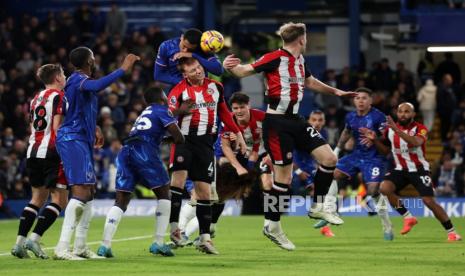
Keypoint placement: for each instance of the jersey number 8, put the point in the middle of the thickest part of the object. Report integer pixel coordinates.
(40, 123)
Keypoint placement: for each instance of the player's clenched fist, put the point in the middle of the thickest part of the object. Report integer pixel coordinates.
(129, 61)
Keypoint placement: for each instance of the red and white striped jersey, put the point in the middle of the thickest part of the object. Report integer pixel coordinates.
(252, 132)
(45, 105)
(406, 156)
(284, 80)
(206, 98)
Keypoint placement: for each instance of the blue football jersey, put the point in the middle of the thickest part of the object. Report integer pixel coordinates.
(81, 106)
(374, 120)
(165, 55)
(152, 122)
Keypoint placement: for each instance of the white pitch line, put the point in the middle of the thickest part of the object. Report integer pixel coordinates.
(95, 242)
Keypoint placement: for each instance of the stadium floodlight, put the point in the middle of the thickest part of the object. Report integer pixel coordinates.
(446, 49)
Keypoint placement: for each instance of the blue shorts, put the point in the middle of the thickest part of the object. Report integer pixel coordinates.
(189, 185)
(139, 162)
(372, 169)
(78, 162)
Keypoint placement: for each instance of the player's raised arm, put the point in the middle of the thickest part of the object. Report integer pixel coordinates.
(234, 66)
(319, 86)
(102, 83)
(211, 64)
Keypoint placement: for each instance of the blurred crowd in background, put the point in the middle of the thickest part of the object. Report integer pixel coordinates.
(436, 89)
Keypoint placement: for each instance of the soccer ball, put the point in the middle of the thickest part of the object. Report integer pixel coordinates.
(211, 41)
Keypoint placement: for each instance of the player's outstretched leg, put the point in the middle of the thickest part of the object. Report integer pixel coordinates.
(163, 215)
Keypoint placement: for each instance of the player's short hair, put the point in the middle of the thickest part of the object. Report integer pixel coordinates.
(364, 90)
(79, 56)
(153, 95)
(47, 73)
(185, 61)
(193, 35)
(289, 32)
(318, 112)
(239, 98)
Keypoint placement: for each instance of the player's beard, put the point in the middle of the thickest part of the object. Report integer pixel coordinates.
(406, 122)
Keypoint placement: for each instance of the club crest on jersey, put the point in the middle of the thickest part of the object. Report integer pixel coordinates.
(173, 100)
(89, 176)
(180, 159)
(210, 91)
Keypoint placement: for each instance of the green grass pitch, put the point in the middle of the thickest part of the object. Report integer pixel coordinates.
(357, 249)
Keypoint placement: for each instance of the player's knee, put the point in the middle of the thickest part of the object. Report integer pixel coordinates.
(122, 200)
(372, 189)
(61, 199)
(330, 160)
(386, 188)
(163, 192)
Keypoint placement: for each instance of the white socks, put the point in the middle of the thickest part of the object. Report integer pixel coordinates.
(186, 215)
(383, 212)
(20, 240)
(192, 226)
(163, 217)
(73, 214)
(330, 203)
(83, 227)
(111, 224)
(275, 226)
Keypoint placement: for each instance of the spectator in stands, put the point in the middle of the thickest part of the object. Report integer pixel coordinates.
(446, 103)
(446, 177)
(116, 22)
(26, 64)
(427, 99)
(448, 66)
(426, 68)
(325, 100)
(382, 77)
(405, 76)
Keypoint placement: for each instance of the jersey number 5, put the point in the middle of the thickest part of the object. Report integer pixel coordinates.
(143, 123)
